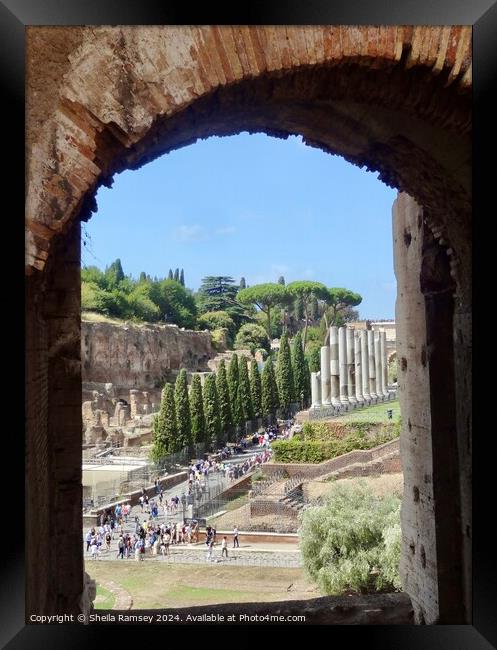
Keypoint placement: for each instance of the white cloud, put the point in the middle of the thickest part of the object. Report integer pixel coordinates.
(226, 230)
(189, 233)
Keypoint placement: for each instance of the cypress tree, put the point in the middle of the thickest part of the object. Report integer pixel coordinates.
(183, 417)
(298, 308)
(255, 388)
(300, 371)
(143, 277)
(238, 411)
(314, 308)
(176, 275)
(164, 426)
(284, 374)
(211, 412)
(182, 277)
(223, 394)
(233, 379)
(270, 401)
(197, 410)
(243, 284)
(308, 385)
(281, 280)
(244, 385)
(170, 275)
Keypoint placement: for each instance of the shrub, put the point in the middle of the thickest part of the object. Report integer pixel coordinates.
(251, 333)
(215, 320)
(352, 542)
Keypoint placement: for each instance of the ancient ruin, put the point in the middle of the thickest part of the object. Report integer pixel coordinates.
(354, 372)
(396, 99)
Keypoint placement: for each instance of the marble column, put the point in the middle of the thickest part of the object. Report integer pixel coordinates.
(316, 390)
(335, 382)
(378, 370)
(372, 368)
(384, 359)
(358, 368)
(350, 365)
(365, 367)
(342, 364)
(325, 376)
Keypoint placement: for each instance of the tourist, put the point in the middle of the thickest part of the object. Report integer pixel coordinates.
(224, 547)
(120, 548)
(210, 549)
(88, 538)
(94, 549)
(235, 538)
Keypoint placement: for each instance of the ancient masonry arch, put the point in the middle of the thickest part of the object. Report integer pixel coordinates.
(395, 99)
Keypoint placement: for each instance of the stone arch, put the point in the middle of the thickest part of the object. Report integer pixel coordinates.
(101, 100)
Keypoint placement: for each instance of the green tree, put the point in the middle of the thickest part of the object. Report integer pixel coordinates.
(252, 334)
(306, 291)
(270, 400)
(214, 320)
(114, 273)
(265, 297)
(170, 275)
(176, 304)
(281, 280)
(238, 411)
(211, 412)
(182, 278)
(176, 275)
(143, 277)
(284, 375)
(183, 416)
(243, 284)
(255, 388)
(338, 301)
(298, 308)
(300, 371)
(218, 293)
(223, 394)
(308, 384)
(197, 410)
(233, 379)
(164, 426)
(245, 393)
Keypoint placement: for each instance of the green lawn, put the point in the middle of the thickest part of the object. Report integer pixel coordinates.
(105, 599)
(377, 413)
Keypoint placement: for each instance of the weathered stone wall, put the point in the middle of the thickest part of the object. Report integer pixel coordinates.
(140, 356)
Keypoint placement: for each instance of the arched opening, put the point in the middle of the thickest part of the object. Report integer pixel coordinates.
(399, 113)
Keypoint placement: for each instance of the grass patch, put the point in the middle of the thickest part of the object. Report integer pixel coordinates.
(105, 599)
(154, 585)
(376, 413)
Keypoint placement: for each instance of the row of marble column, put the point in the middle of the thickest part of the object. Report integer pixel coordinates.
(354, 369)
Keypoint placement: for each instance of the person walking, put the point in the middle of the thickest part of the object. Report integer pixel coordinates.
(224, 547)
(235, 538)
(210, 549)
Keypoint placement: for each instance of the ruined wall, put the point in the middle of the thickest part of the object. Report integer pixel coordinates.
(140, 356)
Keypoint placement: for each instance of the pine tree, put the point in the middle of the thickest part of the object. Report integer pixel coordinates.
(170, 275)
(255, 388)
(300, 371)
(270, 401)
(176, 275)
(182, 277)
(223, 394)
(211, 411)
(244, 384)
(164, 426)
(284, 374)
(183, 416)
(197, 410)
(233, 379)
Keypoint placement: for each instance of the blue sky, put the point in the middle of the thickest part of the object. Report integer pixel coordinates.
(252, 206)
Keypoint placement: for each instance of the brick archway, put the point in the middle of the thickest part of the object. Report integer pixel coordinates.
(101, 100)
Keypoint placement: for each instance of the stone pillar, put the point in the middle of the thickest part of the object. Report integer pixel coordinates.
(316, 390)
(378, 369)
(342, 363)
(372, 367)
(335, 382)
(350, 366)
(325, 376)
(134, 402)
(358, 368)
(384, 360)
(365, 367)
